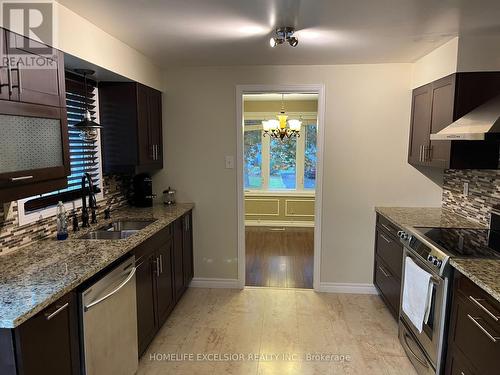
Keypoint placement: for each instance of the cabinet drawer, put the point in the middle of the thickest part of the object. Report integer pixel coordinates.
(489, 307)
(388, 285)
(457, 364)
(387, 225)
(390, 250)
(476, 337)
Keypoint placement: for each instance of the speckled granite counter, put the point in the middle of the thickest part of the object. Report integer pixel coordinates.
(35, 276)
(485, 273)
(426, 217)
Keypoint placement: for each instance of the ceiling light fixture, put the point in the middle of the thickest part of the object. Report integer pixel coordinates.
(284, 34)
(282, 127)
(88, 128)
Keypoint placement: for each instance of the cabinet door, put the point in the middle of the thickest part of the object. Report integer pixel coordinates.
(443, 98)
(420, 124)
(4, 71)
(34, 149)
(164, 282)
(178, 259)
(187, 251)
(145, 286)
(155, 124)
(145, 145)
(43, 81)
(388, 285)
(48, 342)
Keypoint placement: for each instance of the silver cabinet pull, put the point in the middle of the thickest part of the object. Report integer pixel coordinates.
(384, 272)
(129, 277)
(21, 178)
(161, 264)
(9, 77)
(50, 316)
(420, 154)
(385, 238)
(157, 263)
(478, 325)
(386, 227)
(482, 307)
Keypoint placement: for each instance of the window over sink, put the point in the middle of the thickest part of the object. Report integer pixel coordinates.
(85, 157)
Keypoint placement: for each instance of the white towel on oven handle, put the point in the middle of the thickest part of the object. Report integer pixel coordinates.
(417, 294)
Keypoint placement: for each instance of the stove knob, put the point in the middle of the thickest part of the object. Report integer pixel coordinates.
(430, 258)
(400, 233)
(438, 263)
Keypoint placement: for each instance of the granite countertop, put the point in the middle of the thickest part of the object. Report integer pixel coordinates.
(37, 275)
(427, 217)
(485, 273)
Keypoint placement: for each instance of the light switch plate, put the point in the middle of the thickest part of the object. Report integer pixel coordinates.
(229, 162)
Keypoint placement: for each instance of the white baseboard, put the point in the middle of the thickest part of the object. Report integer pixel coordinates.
(208, 282)
(278, 223)
(354, 288)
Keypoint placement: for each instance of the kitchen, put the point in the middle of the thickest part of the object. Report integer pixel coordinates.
(381, 109)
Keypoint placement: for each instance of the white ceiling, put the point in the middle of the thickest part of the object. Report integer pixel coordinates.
(236, 32)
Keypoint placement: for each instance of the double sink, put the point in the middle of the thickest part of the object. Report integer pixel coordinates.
(117, 230)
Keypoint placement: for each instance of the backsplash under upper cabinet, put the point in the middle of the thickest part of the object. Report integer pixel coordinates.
(14, 236)
(484, 192)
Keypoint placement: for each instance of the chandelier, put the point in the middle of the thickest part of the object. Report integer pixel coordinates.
(282, 127)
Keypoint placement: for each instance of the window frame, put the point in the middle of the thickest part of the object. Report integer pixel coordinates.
(308, 119)
(50, 211)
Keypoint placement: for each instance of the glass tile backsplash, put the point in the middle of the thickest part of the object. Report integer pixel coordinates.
(29, 143)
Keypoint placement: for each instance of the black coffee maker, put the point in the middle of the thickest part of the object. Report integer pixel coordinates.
(142, 191)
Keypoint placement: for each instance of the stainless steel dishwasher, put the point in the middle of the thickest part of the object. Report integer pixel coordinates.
(109, 323)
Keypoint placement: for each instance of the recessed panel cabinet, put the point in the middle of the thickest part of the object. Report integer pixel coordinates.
(438, 104)
(46, 344)
(131, 116)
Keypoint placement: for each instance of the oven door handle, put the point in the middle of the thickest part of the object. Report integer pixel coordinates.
(422, 362)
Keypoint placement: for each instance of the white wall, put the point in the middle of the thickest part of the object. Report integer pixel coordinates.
(437, 64)
(366, 138)
(479, 53)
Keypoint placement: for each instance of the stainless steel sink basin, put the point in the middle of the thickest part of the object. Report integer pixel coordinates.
(107, 235)
(126, 225)
(117, 230)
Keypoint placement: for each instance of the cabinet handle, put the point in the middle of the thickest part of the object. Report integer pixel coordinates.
(386, 227)
(157, 261)
(21, 178)
(19, 85)
(153, 152)
(478, 325)
(50, 316)
(429, 152)
(384, 272)
(161, 264)
(385, 238)
(482, 307)
(420, 154)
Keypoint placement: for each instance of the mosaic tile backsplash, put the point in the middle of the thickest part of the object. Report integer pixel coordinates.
(484, 193)
(13, 236)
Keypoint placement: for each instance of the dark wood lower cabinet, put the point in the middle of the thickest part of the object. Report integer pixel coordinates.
(388, 264)
(474, 330)
(164, 271)
(46, 344)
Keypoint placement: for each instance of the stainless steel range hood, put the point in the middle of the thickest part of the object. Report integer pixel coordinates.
(482, 123)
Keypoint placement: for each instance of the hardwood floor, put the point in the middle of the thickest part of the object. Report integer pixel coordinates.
(279, 258)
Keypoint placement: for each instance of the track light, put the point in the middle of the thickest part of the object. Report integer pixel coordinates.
(284, 34)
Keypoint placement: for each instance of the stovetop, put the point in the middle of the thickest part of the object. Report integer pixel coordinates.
(464, 242)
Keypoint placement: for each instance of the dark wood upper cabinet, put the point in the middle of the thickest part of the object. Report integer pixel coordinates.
(438, 104)
(46, 344)
(131, 116)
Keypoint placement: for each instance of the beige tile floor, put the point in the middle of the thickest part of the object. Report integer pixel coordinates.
(282, 322)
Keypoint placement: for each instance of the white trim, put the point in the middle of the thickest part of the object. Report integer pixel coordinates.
(353, 288)
(208, 282)
(279, 223)
(309, 116)
(309, 193)
(246, 89)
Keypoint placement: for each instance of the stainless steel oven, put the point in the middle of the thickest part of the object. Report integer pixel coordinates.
(425, 348)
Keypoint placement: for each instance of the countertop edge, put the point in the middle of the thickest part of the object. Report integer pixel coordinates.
(475, 279)
(14, 323)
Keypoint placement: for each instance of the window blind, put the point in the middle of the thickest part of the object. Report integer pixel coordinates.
(84, 155)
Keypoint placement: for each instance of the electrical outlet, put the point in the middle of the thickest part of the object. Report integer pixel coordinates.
(466, 188)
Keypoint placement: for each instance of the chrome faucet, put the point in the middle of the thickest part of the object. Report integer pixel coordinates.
(92, 202)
